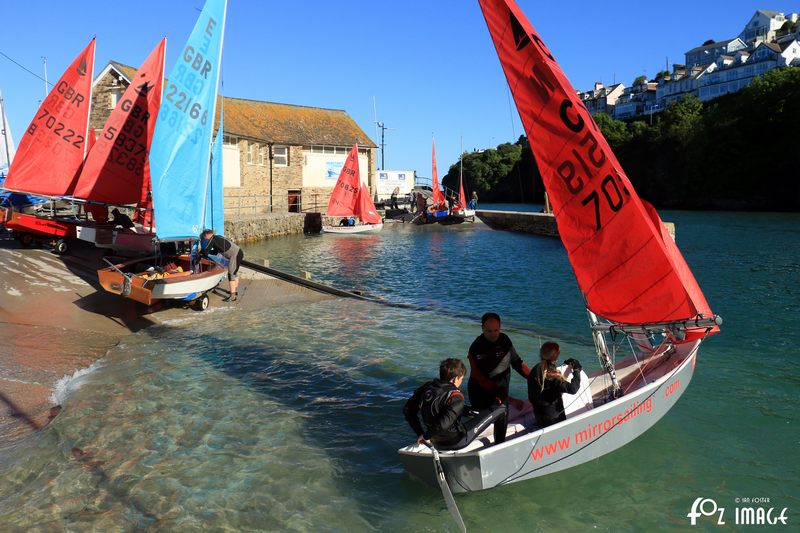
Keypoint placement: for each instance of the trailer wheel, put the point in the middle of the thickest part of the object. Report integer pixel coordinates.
(61, 247)
(25, 239)
(201, 304)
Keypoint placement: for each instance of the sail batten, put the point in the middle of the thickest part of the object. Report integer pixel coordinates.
(628, 272)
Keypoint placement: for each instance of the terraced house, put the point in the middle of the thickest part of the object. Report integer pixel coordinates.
(770, 40)
(277, 158)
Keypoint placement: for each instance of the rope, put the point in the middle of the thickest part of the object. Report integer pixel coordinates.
(24, 68)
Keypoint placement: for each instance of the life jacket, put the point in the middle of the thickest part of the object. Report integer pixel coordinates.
(436, 397)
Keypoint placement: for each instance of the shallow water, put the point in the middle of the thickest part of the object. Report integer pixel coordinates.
(289, 418)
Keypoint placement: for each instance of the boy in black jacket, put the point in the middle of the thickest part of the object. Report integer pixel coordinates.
(441, 403)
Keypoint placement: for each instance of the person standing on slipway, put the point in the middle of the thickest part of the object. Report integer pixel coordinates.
(217, 244)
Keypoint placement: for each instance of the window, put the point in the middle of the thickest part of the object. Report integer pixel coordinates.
(116, 94)
(280, 156)
(262, 156)
(229, 140)
(320, 149)
(252, 154)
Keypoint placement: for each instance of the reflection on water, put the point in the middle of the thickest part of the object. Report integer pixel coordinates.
(289, 418)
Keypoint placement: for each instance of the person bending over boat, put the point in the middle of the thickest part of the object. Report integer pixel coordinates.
(491, 358)
(121, 219)
(441, 403)
(217, 244)
(546, 384)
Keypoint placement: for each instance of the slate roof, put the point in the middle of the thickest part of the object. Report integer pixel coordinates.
(292, 124)
(710, 46)
(128, 72)
(272, 122)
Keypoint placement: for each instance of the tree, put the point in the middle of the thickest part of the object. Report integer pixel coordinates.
(615, 131)
(639, 81)
(662, 74)
(680, 119)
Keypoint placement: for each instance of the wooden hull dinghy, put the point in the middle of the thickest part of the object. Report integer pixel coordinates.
(186, 182)
(177, 279)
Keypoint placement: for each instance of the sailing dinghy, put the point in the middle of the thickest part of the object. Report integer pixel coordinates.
(640, 294)
(438, 209)
(350, 198)
(117, 170)
(460, 210)
(51, 152)
(181, 172)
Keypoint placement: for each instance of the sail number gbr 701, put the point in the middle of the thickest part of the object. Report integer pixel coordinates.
(584, 162)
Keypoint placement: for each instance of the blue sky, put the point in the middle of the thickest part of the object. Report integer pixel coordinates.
(429, 64)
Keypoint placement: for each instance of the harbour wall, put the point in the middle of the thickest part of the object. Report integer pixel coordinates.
(532, 223)
(252, 228)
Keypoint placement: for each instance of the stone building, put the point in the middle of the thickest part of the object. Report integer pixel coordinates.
(277, 158)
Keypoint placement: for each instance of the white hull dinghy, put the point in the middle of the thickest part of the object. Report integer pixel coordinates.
(350, 198)
(627, 266)
(349, 230)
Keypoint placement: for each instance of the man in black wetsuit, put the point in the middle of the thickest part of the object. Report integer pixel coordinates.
(442, 404)
(491, 358)
(217, 244)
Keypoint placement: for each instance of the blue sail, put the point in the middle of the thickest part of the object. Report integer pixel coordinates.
(215, 217)
(181, 147)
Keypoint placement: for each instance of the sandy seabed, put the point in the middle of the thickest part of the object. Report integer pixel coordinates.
(56, 320)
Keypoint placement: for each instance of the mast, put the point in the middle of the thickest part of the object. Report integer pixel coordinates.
(5, 130)
(602, 354)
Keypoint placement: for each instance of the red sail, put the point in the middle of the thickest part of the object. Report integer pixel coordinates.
(91, 138)
(365, 207)
(462, 199)
(117, 169)
(50, 153)
(626, 269)
(345, 192)
(438, 197)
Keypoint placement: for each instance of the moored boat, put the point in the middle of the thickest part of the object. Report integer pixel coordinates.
(350, 199)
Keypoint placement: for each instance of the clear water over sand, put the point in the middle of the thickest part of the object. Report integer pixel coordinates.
(289, 418)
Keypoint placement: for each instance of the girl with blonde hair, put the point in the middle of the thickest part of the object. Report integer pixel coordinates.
(546, 384)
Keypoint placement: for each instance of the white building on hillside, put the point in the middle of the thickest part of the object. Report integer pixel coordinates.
(768, 41)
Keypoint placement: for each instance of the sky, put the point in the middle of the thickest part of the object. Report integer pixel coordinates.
(427, 67)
